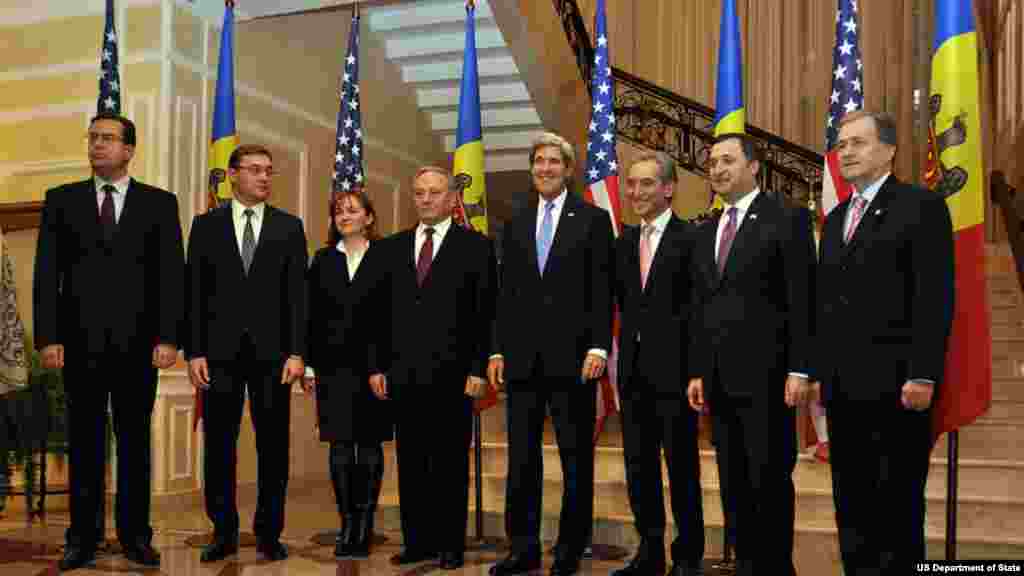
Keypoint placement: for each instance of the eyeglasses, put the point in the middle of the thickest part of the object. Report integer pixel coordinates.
(94, 137)
(256, 170)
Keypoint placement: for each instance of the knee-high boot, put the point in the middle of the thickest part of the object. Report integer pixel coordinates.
(371, 461)
(343, 469)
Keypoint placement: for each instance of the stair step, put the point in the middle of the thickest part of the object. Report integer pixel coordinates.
(976, 478)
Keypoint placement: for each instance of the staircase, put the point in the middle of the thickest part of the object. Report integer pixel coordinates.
(425, 39)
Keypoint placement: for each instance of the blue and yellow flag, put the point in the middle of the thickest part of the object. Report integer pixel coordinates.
(730, 114)
(224, 136)
(955, 171)
(469, 145)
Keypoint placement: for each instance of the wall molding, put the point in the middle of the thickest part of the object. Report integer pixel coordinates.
(187, 473)
(26, 13)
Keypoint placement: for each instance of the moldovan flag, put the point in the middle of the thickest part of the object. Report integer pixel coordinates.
(955, 171)
(730, 113)
(223, 138)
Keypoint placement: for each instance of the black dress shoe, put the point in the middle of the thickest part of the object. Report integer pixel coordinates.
(142, 554)
(452, 560)
(75, 557)
(685, 570)
(515, 564)
(412, 556)
(273, 550)
(218, 550)
(565, 565)
(641, 567)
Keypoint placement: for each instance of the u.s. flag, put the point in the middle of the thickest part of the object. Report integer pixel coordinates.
(847, 96)
(602, 176)
(109, 100)
(348, 151)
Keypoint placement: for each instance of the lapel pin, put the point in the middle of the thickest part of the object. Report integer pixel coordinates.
(878, 212)
(753, 216)
(571, 214)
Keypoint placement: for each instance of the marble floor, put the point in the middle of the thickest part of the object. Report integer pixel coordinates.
(34, 549)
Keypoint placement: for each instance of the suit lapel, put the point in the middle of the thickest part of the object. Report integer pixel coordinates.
(668, 237)
(747, 231)
(870, 220)
(704, 249)
(228, 227)
(530, 222)
(448, 246)
(565, 232)
(93, 229)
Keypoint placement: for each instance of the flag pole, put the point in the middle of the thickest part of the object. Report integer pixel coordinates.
(952, 469)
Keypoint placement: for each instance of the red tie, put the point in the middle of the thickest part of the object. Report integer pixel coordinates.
(425, 257)
(858, 213)
(107, 208)
(728, 233)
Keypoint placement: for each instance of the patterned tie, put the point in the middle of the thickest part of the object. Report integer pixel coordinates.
(645, 253)
(544, 240)
(248, 240)
(855, 216)
(426, 256)
(728, 233)
(107, 209)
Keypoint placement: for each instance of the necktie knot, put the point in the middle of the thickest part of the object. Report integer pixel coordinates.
(249, 213)
(549, 206)
(429, 231)
(731, 213)
(109, 189)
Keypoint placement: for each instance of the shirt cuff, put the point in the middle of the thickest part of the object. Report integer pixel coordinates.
(927, 381)
(799, 374)
(599, 352)
(309, 372)
(493, 356)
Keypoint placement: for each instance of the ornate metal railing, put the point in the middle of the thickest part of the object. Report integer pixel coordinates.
(656, 118)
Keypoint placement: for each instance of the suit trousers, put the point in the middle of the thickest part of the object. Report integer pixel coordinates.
(653, 421)
(573, 405)
(880, 457)
(270, 410)
(757, 439)
(129, 382)
(433, 471)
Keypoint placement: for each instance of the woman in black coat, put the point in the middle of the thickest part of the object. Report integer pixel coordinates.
(344, 320)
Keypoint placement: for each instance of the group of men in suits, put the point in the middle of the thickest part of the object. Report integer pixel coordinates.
(732, 315)
(114, 300)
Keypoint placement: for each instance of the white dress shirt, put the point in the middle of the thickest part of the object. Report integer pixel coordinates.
(353, 260)
(239, 219)
(440, 231)
(654, 239)
(119, 193)
(556, 213)
(742, 207)
(868, 195)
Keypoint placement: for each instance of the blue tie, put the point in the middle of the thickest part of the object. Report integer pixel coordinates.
(544, 240)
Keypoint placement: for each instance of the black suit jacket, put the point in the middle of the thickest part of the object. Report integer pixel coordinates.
(753, 322)
(223, 303)
(87, 286)
(438, 333)
(660, 313)
(887, 296)
(555, 318)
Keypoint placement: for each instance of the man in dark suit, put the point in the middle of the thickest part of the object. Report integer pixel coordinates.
(551, 342)
(652, 269)
(107, 307)
(442, 283)
(247, 326)
(886, 307)
(753, 301)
